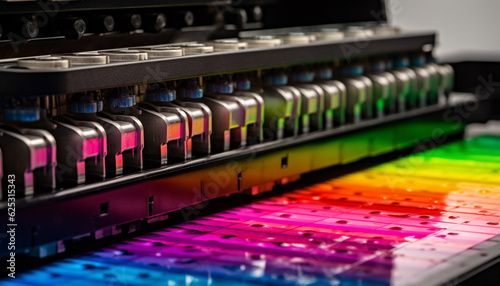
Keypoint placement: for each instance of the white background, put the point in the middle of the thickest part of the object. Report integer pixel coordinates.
(463, 26)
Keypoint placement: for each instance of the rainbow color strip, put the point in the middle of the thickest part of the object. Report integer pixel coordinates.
(394, 224)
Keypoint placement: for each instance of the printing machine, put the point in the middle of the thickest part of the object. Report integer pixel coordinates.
(117, 116)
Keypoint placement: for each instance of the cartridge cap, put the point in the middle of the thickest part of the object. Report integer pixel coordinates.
(275, 79)
(162, 52)
(357, 32)
(125, 55)
(161, 95)
(378, 66)
(121, 97)
(21, 114)
(189, 89)
(303, 75)
(85, 103)
(196, 49)
(352, 69)
(85, 59)
(296, 38)
(160, 92)
(418, 60)
(401, 62)
(329, 34)
(228, 45)
(242, 82)
(263, 41)
(386, 30)
(44, 63)
(324, 73)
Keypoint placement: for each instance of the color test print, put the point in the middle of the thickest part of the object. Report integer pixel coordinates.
(381, 226)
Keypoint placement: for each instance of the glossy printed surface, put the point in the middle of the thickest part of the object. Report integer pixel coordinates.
(388, 225)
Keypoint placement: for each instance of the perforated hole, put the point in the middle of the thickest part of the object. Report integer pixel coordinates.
(104, 209)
